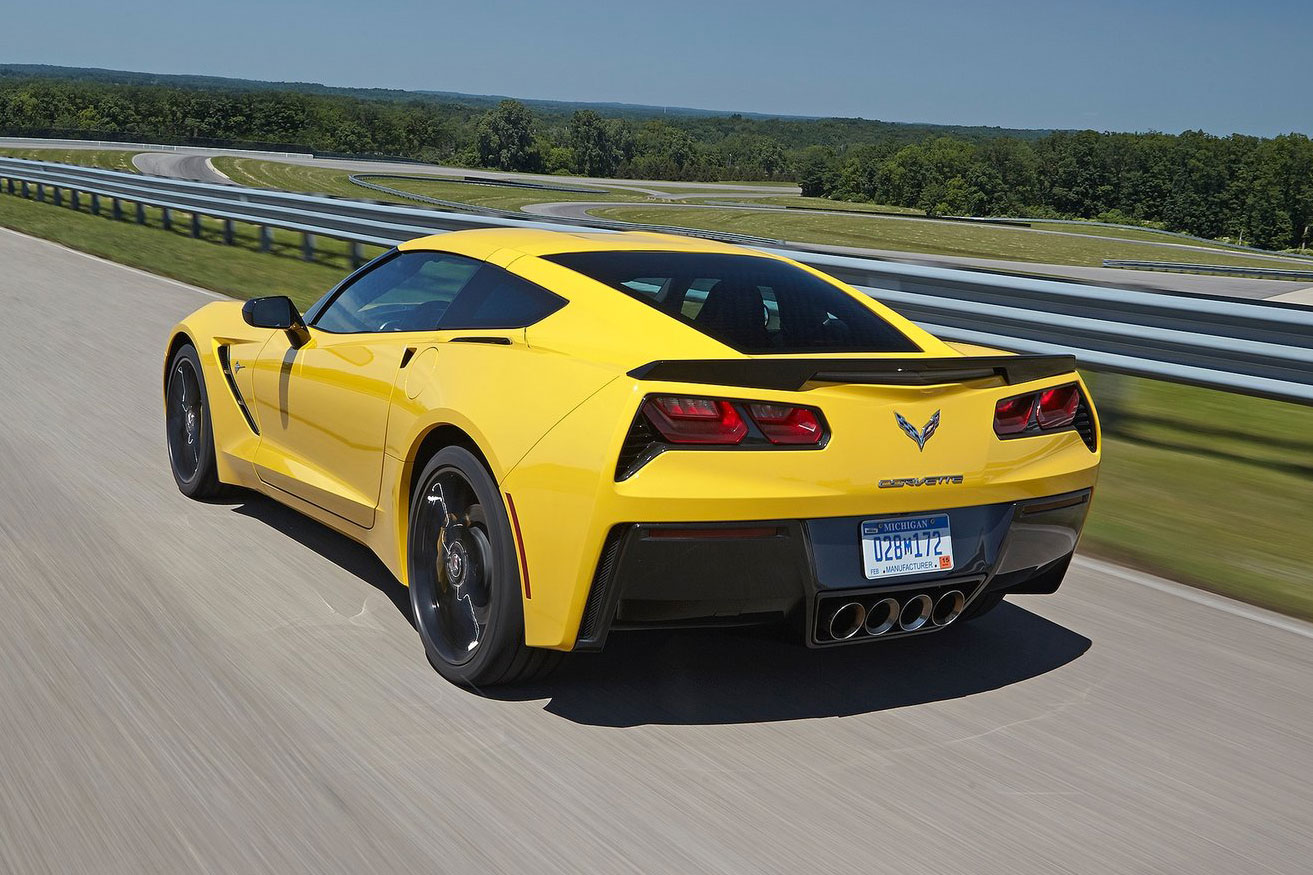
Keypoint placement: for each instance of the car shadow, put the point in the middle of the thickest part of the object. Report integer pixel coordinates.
(343, 552)
(721, 676)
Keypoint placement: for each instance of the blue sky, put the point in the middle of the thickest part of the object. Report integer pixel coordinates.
(1110, 65)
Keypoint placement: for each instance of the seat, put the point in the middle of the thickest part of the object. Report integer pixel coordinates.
(735, 312)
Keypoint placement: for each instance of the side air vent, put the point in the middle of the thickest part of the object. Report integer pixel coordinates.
(591, 628)
(1084, 424)
(226, 366)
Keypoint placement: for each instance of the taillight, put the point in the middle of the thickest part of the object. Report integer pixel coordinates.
(1057, 406)
(784, 424)
(689, 420)
(1046, 410)
(1012, 415)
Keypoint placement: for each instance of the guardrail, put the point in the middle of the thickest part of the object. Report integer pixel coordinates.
(1256, 348)
(1222, 269)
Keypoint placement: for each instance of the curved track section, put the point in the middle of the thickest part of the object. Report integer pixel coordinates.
(230, 687)
(179, 165)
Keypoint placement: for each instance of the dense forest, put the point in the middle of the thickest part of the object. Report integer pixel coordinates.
(1253, 189)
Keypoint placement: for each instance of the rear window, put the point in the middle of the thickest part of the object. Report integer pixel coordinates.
(755, 305)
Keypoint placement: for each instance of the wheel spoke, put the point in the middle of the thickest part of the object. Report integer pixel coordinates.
(455, 555)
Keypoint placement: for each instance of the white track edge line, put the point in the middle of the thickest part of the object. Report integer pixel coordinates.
(1198, 596)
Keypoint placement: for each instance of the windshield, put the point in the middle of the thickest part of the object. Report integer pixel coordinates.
(755, 305)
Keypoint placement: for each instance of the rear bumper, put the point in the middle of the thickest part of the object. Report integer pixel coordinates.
(654, 575)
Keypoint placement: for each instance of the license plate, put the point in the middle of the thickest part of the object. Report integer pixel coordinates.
(906, 545)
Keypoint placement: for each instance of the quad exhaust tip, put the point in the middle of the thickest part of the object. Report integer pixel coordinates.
(847, 621)
(916, 613)
(882, 617)
(948, 608)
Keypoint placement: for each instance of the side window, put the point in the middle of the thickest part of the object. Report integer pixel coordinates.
(409, 292)
(496, 298)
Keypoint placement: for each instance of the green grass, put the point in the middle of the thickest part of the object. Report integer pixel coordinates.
(938, 238)
(258, 173)
(504, 197)
(816, 203)
(241, 270)
(1208, 488)
(110, 159)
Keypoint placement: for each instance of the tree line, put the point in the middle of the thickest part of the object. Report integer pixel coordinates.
(1258, 190)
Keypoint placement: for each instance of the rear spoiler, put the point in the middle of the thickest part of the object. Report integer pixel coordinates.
(793, 374)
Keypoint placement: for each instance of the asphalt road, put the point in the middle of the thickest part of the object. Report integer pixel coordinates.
(179, 165)
(230, 688)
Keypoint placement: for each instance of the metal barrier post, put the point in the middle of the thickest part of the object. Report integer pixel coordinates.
(166, 218)
(95, 204)
(357, 255)
(266, 238)
(74, 201)
(116, 209)
(40, 192)
(141, 213)
(308, 246)
(196, 224)
(227, 232)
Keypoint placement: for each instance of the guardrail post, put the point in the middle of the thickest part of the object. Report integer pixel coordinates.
(24, 188)
(166, 218)
(141, 213)
(357, 255)
(40, 192)
(116, 209)
(308, 246)
(95, 204)
(227, 232)
(57, 195)
(74, 201)
(196, 224)
(11, 185)
(266, 238)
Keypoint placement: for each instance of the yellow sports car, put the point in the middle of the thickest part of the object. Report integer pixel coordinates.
(550, 436)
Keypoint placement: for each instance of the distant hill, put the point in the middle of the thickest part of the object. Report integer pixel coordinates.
(482, 101)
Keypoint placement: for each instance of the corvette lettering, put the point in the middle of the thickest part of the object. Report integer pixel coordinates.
(940, 480)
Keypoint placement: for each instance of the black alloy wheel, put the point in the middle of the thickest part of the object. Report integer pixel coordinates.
(188, 431)
(465, 577)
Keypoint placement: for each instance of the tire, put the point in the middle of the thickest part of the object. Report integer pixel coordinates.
(188, 429)
(983, 605)
(464, 577)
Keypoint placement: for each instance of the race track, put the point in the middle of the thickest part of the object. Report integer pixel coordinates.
(179, 165)
(232, 688)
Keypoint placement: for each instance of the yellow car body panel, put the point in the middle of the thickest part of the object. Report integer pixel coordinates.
(341, 422)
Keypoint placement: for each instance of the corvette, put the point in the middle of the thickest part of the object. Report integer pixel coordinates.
(551, 436)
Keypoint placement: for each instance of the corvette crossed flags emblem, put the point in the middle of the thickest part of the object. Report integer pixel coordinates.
(919, 436)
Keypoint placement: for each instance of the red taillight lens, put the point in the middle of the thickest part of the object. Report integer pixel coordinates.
(689, 420)
(1057, 406)
(783, 424)
(1011, 415)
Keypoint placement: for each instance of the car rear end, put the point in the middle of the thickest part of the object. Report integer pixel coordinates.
(865, 495)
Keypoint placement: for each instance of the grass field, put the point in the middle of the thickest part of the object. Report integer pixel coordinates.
(239, 270)
(1204, 487)
(815, 203)
(110, 159)
(1207, 487)
(320, 180)
(937, 238)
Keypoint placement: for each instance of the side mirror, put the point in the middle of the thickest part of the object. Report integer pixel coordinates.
(276, 311)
